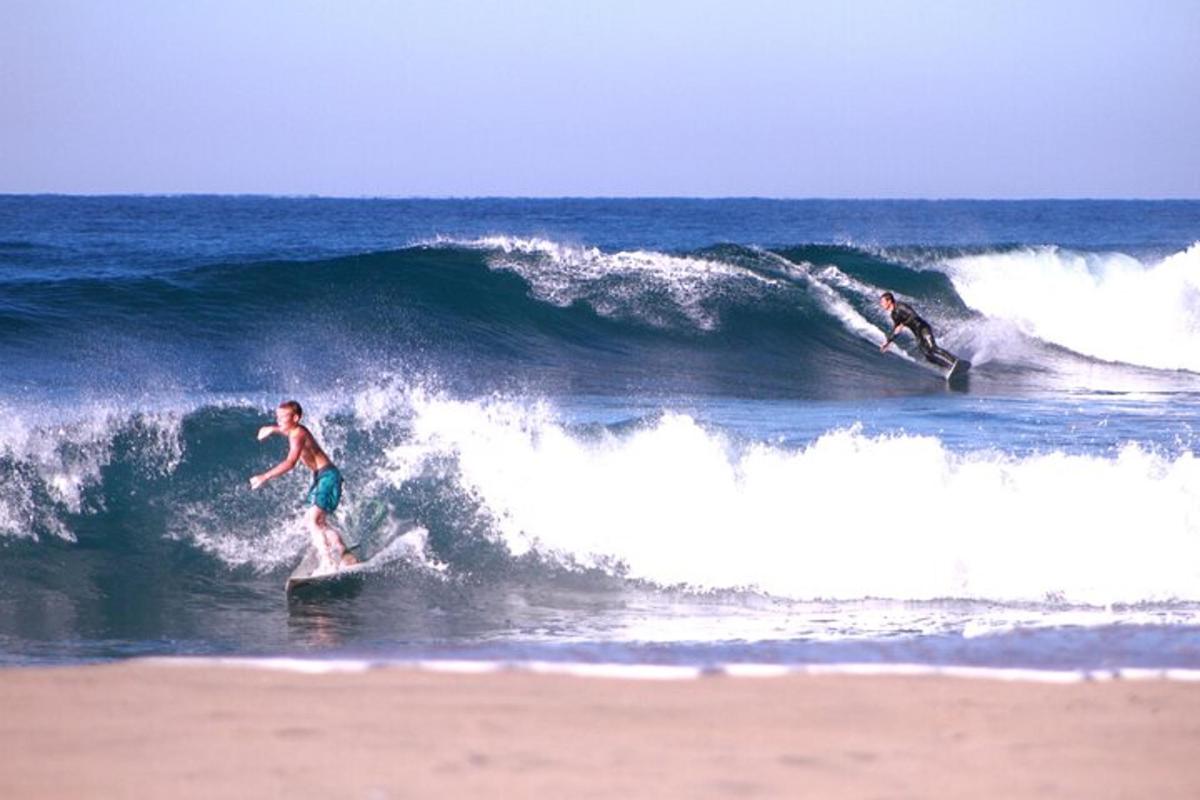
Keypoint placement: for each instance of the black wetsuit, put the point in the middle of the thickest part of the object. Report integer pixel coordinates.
(903, 314)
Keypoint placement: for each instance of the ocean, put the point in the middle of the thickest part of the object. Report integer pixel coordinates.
(640, 432)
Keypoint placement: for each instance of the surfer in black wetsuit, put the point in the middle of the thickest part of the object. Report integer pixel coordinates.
(903, 316)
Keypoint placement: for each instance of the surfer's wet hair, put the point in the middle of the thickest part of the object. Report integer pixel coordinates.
(293, 406)
(887, 296)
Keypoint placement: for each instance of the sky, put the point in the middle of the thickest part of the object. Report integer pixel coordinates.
(861, 98)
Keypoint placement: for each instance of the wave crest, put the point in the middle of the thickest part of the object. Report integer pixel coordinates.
(657, 288)
(1109, 306)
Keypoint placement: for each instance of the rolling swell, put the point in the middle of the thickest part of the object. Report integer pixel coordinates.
(476, 315)
(534, 315)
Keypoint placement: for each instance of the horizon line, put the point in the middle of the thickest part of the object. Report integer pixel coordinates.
(551, 197)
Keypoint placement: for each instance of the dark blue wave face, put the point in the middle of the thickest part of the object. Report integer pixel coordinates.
(443, 311)
(796, 322)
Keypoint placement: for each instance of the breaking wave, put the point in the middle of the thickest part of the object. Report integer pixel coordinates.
(662, 500)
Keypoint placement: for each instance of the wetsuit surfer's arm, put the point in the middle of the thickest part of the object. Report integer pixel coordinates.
(295, 448)
(895, 331)
(901, 316)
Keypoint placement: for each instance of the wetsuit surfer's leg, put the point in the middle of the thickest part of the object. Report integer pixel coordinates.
(933, 353)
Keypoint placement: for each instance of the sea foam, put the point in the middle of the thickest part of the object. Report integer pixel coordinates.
(847, 516)
(1110, 306)
(617, 284)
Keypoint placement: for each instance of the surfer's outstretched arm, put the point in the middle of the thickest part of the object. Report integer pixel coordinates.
(295, 447)
(895, 332)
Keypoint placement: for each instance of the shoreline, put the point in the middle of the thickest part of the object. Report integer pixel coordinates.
(196, 728)
(653, 671)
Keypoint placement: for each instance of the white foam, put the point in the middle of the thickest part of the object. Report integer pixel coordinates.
(659, 672)
(645, 672)
(626, 283)
(1109, 306)
(758, 670)
(306, 666)
(847, 517)
(206, 525)
(62, 456)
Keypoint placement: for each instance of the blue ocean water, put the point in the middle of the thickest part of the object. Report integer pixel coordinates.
(639, 431)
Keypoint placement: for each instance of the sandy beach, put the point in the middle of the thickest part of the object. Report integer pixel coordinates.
(145, 730)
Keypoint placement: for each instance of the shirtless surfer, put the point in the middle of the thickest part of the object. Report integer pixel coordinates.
(903, 316)
(326, 490)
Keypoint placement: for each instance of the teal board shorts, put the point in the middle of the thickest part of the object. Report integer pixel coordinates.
(326, 490)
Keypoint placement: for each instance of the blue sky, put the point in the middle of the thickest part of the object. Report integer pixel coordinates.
(1057, 98)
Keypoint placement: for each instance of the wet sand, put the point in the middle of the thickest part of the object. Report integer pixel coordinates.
(203, 731)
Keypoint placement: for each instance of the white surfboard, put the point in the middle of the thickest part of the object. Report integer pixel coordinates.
(306, 576)
(305, 573)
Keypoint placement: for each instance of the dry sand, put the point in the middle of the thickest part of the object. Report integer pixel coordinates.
(147, 731)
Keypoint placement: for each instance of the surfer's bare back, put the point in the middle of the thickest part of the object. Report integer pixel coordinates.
(326, 490)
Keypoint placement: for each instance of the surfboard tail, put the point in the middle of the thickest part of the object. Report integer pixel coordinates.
(958, 371)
